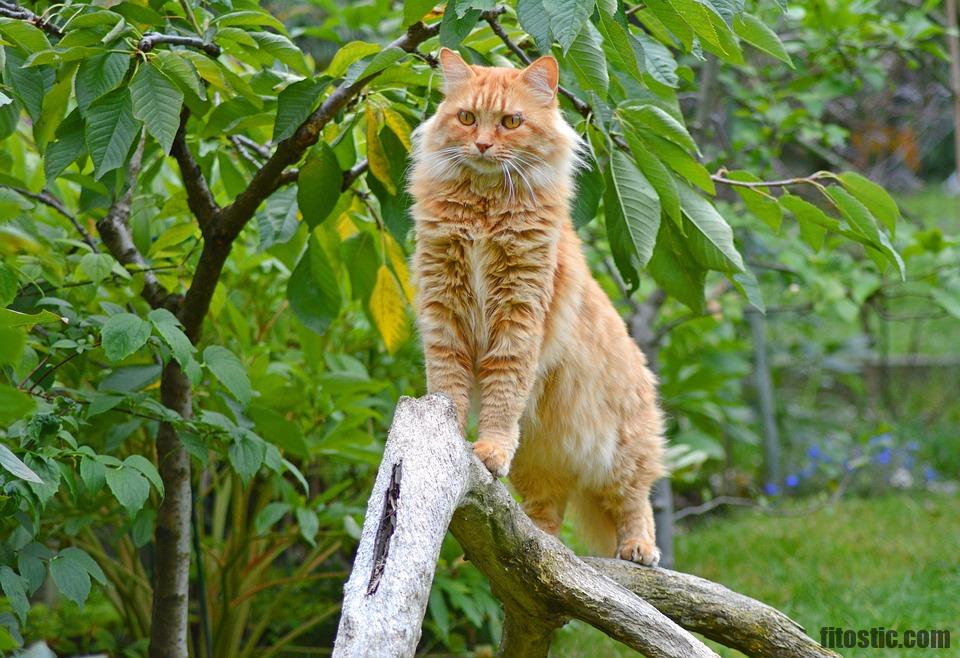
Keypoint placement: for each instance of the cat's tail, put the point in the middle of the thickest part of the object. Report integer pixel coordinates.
(595, 525)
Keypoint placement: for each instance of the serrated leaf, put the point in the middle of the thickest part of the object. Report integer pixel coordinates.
(875, 198)
(414, 10)
(388, 309)
(752, 30)
(746, 282)
(11, 318)
(652, 119)
(535, 21)
(93, 474)
(399, 126)
(309, 524)
(712, 240)
(96, 267)
(319, 183)
(249, 17)
(454, 29)
(658, 62)
(618, 46)
(129, 487)
(590, 189)
(156, 102)
(585, 57)
(376, 156)
(231, 372)
(147, 469)
(281, 48)
(66, 149)
(675, 269)
(757, 200)
(30, 85)
(633, 210)
(679, 160)
(123, 334)
(169, 329)
(313, 291)
(71, 579)
(294, 105)
(567, 18)
(277, 222)
(9, 461)
(348, 54)
(246, 456)
(86, 562)
(181, 71)
(110, 131)
(98, 75)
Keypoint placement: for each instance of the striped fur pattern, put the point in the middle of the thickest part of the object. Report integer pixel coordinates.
(511, 317)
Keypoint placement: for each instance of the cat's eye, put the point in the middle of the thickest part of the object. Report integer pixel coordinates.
(512, 121)
(466, 118)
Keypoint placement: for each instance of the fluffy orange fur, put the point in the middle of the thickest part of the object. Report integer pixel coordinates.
(508, 309)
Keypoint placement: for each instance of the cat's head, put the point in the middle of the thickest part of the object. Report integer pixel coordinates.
(498, 121)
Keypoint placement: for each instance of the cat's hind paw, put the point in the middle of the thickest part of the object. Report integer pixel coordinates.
(493, 456)
(640, 551)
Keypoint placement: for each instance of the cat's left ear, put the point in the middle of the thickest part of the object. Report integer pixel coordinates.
(543, 76)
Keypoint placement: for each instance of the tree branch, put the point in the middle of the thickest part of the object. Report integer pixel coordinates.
(429, 477)
(151, 40)
(53, 202)
(13, 10)
(199, 197)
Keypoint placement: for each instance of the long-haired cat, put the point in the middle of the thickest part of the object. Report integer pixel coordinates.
(508, 309)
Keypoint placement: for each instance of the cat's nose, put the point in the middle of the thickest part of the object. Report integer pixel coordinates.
(482, 147)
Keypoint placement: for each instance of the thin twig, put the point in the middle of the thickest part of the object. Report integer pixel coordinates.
(53, 202)
(151, 40)
(13, 10)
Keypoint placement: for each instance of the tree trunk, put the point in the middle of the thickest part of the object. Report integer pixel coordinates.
(429, 476)
(953, 41)
(171, 587)
(764, 384)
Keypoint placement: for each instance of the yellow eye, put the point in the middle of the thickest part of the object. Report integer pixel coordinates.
(466, 118)
(512, 121)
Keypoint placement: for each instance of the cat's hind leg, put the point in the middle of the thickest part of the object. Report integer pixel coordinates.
(544, 499)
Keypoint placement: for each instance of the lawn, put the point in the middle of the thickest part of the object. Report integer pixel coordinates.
(889, 562)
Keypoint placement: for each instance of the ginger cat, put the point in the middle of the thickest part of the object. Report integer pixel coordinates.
(507, 306)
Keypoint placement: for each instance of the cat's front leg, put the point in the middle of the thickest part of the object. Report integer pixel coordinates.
(506, 371)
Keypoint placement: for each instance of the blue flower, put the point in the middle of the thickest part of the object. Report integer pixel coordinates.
(880, 438)
(792, 480)
(929, 474)
(814, 452)
(883, 457)
(913, 446)
(771, 489)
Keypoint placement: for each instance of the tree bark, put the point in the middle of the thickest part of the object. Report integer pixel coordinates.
(953, 42)
(429, 478)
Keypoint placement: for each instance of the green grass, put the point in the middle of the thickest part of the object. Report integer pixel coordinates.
(889, 562)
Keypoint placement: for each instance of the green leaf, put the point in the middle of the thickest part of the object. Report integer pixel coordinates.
(93, 473)
(949, 300)
(66, 149)
(313, 290)
(14, 405)
(309, 524)
(269, 516)
(757, 200)
(29, 85)
(535, 21)
(633, 208)
(567, 18)
(156, 102)
(679, 160)
(231, 372)
(15, 589)
(752, 30)
(589, 192)
(9, 284)
(277, 222)
(658, 62)
(380, 62)
(246, 456)
(675, 269)
(618, 46)
(169, 329)
(11, 318)
(86, 562)
(8, 460)
(712, 241)
(652, 119)
(281, 48)
(98, 75)
(276, 429)
(129, 487)
(660, 178)
(249, 17)
(294, 105)
(319, 184)
(71, 579)
(746, 282)
(414, 10)
(875, 198)
(348, 54)
(111, 130)
(25, 35)
(123, 334)
(454, 29)
(96, 267)
(586, 58)
(147, 469)
(181, 71)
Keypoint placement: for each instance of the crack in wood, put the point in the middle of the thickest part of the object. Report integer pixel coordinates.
(388, 523)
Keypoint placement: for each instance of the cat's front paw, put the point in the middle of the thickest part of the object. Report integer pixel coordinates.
(640, 551)
(493, 456)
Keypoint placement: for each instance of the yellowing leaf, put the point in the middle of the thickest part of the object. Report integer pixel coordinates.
(388, 310)
(376, 156)
(345, 226)
(399, 126)
(399, 262)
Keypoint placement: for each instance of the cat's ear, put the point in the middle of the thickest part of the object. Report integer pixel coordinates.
(543, 76)
(456, 72)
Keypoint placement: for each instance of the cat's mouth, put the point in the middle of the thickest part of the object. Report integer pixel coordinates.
(484, 164)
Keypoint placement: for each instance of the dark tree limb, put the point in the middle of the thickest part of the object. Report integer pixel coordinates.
(151, 40)
(540, 582)
(13, 10)
(199, 198)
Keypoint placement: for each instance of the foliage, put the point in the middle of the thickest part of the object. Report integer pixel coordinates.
(141, 139)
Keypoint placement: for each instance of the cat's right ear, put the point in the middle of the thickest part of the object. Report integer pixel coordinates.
(456, 72)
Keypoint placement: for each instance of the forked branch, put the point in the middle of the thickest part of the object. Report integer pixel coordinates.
(540, 582)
